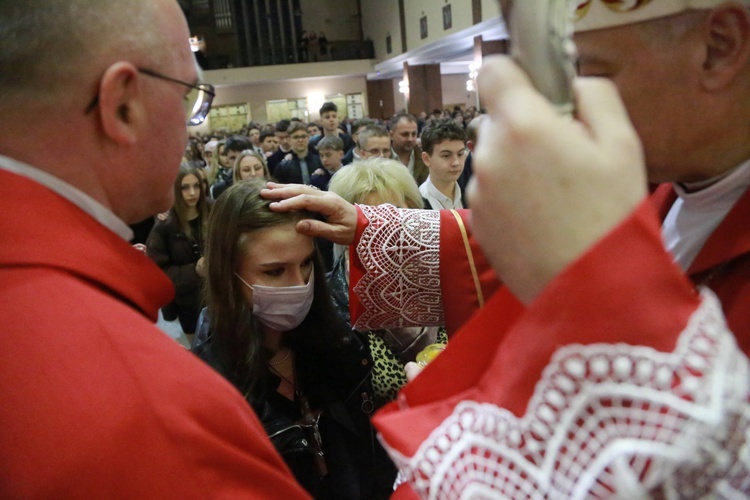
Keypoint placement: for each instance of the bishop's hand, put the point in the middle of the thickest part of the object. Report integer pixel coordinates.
(545, 187)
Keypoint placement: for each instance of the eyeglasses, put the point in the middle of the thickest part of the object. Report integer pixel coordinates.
(197, 102)
(299, 137)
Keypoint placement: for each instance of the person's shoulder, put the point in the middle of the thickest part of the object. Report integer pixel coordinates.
(166, 224)
(315, 159)
(140, 429)
(348, 141)
(285, 164)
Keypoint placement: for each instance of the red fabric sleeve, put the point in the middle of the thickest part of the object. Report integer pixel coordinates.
(356, 269)
(466, 279)
(625, 289)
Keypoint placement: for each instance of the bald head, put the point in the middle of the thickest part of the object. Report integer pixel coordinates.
(93, 93)
(685, 80)
(51, 46)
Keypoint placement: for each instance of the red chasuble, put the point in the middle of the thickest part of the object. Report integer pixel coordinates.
(618, 380)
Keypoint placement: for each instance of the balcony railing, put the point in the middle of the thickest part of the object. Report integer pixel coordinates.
(334, 51)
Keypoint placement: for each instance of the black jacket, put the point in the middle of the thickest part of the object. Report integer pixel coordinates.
(290, 171)
(171, 249)
(337, 382)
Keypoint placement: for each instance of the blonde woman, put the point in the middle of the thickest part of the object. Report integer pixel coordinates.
(373, 182)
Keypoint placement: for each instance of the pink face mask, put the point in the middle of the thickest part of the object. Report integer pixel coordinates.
(282, 308)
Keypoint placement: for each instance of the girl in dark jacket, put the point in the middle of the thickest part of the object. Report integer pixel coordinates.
(273, 334)
(176, 245)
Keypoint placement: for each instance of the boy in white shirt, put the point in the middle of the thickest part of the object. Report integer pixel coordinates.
(444, 153)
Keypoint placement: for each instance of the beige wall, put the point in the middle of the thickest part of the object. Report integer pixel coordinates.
(261, 74)
(461, 13)
(454, 91)
(490, 9)
(258, 93)
(338, 19)
(380, 17)
(399, 99)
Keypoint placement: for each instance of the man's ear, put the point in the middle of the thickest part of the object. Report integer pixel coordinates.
(727, 38)
(121, 106)
(470, 146)
(426, 159)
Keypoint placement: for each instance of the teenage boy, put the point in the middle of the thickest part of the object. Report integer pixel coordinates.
(285, 145)
(444, 153)
(268, 144)
(253, 134)
(374, 141)
(235, 145)
(329, 118)
(299, 167)
(331, 151)
(357, 127)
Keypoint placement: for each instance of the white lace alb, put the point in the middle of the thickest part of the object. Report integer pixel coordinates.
(605, 421)
(400, 252)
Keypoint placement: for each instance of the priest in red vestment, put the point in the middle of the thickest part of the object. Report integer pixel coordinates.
(604, 367)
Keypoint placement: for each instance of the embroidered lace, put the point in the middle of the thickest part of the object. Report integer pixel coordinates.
(606, 421)
(401, 254)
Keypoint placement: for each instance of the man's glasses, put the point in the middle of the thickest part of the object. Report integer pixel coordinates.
(299, 137)
(197, 102)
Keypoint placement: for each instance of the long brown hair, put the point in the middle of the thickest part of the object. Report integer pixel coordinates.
(236, 336)
(180, 209)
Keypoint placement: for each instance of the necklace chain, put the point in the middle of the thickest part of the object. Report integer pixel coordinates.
(276, 363)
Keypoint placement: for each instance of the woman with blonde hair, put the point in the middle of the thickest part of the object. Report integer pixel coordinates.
(373, 182)
(250, 164)
(219, 161)
(377, 180)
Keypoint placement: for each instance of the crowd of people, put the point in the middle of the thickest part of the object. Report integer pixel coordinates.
(296, 156)
(593, 345)
(268, 308)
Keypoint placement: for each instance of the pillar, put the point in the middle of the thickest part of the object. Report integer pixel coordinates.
(425, 88)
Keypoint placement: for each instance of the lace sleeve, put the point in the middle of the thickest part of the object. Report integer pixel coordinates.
(605, 421)
(399, 251)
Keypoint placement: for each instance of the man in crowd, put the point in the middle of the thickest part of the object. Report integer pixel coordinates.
(284, 150)
(472, 130)
(253, 134)
(597, 370)
(97, 402)
(374, 141)
(313, 129)
(404, 141)
(268, 142)
(329, 119)
(444, 154)
(301, 165)
(357, 127)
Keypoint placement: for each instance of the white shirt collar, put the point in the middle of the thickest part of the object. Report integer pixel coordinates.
(695, 215)
(102, 214)
(438, 199)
